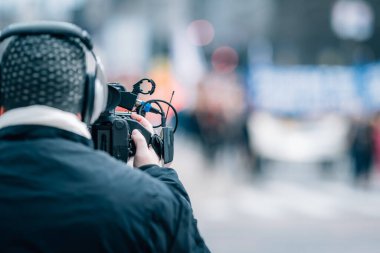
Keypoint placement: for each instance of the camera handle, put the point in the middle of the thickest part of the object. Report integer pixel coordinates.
(133, 124)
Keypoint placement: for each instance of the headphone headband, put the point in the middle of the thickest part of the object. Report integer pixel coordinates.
(95, 90)
(47, 27)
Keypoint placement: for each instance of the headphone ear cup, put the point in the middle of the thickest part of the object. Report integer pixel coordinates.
(88, 99)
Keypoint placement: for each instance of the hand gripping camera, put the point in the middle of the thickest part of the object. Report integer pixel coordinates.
(111, 132)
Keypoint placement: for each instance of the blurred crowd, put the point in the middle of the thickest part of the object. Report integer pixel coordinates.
(222, 118)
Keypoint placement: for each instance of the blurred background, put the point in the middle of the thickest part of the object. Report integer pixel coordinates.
(279, 109)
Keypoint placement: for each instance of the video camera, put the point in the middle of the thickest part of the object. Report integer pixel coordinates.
(111, 132)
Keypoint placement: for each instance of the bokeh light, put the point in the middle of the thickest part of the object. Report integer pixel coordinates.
(225, 59)
(200, 32)
(352, 19)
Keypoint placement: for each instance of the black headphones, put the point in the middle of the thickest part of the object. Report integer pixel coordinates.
(95, 88)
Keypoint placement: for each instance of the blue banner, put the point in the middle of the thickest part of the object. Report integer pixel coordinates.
(315, 89)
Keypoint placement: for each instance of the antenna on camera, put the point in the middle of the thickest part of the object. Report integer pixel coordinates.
(171, 98)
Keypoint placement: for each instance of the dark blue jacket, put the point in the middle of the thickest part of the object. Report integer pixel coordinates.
(57, 194)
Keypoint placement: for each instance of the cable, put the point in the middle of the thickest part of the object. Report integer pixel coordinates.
(137, 90)
(163, 117)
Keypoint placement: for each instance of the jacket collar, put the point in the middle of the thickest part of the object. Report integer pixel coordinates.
(44, 116)
(32, 132)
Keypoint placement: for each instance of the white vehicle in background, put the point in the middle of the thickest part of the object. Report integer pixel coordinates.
(321, 140)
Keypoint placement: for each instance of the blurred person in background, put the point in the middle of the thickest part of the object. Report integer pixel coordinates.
(361, 148)
(219, 118)
(376, 137)
(57, 193)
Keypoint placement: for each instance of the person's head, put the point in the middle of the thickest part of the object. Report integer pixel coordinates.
(43, 70)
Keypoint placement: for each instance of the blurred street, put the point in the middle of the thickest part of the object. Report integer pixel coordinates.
(292, 208)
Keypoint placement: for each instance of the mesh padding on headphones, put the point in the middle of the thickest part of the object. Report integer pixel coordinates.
(43, 70)
(90, 89)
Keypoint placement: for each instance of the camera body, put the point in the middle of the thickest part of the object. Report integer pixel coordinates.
(111, 132)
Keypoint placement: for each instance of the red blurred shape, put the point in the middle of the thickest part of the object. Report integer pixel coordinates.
(225, 59)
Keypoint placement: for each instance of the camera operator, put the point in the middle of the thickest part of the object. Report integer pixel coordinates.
(58, 194)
